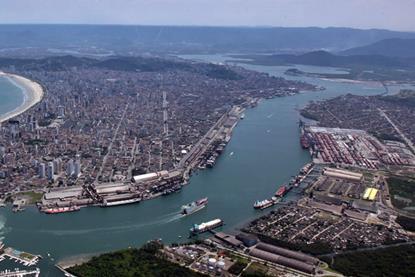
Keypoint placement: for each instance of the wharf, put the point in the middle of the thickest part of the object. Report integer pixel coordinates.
(21, 257)
(20, 273)
(149, 185)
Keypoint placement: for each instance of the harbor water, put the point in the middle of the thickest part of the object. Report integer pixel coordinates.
(263, 154)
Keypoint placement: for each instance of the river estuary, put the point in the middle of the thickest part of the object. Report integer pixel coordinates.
(263, 154)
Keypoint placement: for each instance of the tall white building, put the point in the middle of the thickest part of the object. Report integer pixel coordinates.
(70, 168)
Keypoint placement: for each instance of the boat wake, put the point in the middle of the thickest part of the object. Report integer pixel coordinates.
(165, 219)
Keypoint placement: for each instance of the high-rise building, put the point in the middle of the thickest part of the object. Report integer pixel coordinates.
(50, 171)
(77, 167)
(70, 168)
(61, 111)
(57, 164)
(42, 170)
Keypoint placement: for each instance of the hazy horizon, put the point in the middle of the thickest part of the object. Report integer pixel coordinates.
(198, 26)
(358, 14)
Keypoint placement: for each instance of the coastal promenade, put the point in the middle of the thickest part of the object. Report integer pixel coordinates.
(33, 94)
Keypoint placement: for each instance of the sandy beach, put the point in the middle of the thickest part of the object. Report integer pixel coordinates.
(33, 94)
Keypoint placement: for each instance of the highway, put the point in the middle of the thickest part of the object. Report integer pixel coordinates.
(407, 141)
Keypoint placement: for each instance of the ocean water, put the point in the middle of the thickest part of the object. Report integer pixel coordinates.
(11, 96)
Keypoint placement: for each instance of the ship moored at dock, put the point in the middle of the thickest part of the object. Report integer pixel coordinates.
(282, 191)
(62, 210)
(206, 226)
(121, 202)
(261, 205)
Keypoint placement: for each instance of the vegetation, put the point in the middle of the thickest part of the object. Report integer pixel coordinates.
(405, 97)
(34, 196)
(145, 262)
(237, 267)
(308, 115)
(362, 67)
(406, 222)
(27, 256)
(221, 72)
(402, 192)
(255, 270)
(393, 261)
(386, 136)
(315, 248)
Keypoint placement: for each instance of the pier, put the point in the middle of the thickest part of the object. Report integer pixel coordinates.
(20, 273)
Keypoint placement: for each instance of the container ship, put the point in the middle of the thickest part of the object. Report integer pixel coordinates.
(62, 210)
(194, 206)
(206, 226)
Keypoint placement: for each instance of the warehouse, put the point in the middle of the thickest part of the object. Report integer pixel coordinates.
(64, 193)
(288, 253)
(112, 188)
(370, 194)
(150, 176)
(291, 263)
(343, 174)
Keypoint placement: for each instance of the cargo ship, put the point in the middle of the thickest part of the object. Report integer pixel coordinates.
(174, 189)
(261, 205)
(206, 226)
(62, 210)
(120, 202)
(282, 191)
(194, 206)
(304, 142)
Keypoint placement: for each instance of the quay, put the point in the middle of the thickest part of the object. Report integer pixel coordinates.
(149, 185)
(20, 273)
(23, 258)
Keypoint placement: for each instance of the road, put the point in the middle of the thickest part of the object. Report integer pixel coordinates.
(114, 137)
(405, 139)
(366, 249)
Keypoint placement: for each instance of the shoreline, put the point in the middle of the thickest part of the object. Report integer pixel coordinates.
(32, 94)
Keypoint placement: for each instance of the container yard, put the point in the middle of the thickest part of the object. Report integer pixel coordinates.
(354, 147)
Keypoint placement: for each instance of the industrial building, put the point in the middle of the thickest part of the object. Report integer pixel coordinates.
(370, 194)
(280, 260)
(288, 253)
(343, 174)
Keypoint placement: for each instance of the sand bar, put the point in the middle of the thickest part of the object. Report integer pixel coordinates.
(33, 94)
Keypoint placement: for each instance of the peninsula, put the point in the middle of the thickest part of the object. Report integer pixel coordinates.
(33, 94)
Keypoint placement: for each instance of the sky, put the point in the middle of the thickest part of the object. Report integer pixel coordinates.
(364, 14)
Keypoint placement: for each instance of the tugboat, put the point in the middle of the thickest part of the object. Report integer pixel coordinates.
(194, 206)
